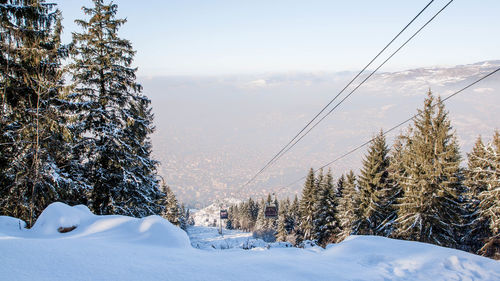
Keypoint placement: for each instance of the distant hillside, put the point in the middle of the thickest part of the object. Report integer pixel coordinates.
(210, 215)
(214, 133)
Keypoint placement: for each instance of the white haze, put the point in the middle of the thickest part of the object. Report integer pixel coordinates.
(214, 133)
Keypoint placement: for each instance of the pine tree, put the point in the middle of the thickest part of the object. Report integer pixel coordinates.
(33, 123)
(348, 207)
(292, 225)
(235, 220)
(281, 231)
(261, 222)
(339, 189)
(479, 172)
(430, 207)
(476, 229)
(230, 217)
(246, 221)
(254, 210)
(374, 188)
(326, 224)
(171, 210)
(182, 217)
(396, 171)
(489, 207)
(114, 119)
(307, 208)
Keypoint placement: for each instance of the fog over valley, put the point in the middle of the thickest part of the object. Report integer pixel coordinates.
(213, 133)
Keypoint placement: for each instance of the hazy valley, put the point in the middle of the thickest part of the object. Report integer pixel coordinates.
(214, 133)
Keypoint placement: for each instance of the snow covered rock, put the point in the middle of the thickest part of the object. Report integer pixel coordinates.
(61, 216)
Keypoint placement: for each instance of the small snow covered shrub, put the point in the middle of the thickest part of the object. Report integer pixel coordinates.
(307, 244)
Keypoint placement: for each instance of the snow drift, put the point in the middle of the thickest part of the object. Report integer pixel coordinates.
(125, 248)
(82, 224)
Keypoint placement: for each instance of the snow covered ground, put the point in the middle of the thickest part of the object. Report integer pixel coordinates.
(124, 248)
(208, 238)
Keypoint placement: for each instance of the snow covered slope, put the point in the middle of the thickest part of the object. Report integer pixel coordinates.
(124, 248)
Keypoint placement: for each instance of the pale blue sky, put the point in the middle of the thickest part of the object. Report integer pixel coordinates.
(203, 37)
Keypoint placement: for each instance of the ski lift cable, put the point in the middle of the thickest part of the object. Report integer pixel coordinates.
(286, 148)
(396, 126)
(331, 101)
(362, 82)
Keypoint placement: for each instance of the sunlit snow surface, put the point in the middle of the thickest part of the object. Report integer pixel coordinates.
(208, 238)
(124, 248)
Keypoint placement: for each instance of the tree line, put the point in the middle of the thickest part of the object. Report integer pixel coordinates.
(415, 191)
(77, 133)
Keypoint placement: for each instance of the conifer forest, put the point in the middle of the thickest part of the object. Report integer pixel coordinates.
(416, 190)
(79, 132)
(76, 127)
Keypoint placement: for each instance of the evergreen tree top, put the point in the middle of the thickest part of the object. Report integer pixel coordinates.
(101, 58)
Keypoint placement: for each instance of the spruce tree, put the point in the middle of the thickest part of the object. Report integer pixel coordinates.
(34, 122)
(307, 208)
(396, 171)
(326, 224)
(348, 207)
(293, 220)
(246, 221)
(114, 119)
(430, 207)
(171, 210)
(476, 228)
(230, 218)
(254, 210)
(374, 188)
(235, 220)
(339, 189)
(283, 214)
(489, 207)
(479, 171)
(261, 222)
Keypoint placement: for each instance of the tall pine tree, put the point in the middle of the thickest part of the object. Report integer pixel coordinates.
(34, 134)
(478, 173)
(348, 210)
(171, 209)
(374, 188)
(430, 208)
(283, 216)
(396, 171)
(114, 118)
(326, 224)
(307, 208)
(489, 207)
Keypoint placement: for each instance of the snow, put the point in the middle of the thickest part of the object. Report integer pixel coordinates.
(152, 230)
(125, 248)
(208, 238)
